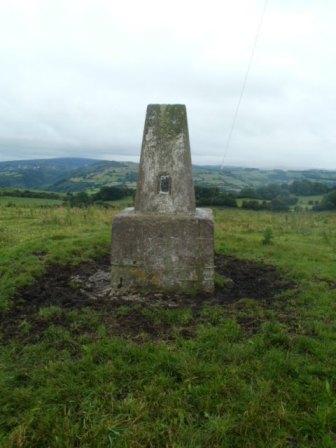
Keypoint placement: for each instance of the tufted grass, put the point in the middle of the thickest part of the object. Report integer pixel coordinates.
(224, 387)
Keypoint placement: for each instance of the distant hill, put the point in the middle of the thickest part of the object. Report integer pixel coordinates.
(78, 174)
(65, 174)
(39, 173)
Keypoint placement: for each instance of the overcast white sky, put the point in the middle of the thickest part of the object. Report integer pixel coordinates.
(76, 77)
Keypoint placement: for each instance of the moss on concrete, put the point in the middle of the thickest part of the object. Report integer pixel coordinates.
(169, 119)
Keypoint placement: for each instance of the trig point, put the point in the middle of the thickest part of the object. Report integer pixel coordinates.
(164, 243)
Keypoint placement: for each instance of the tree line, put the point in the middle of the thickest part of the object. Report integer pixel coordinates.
(273, 197)
(296, 188)
(103, 196)
(16, 193)
(328, 202)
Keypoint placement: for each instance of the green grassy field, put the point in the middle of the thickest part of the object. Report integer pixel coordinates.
(309, 201)
(10, 201)
(305, 202)
(225, 386)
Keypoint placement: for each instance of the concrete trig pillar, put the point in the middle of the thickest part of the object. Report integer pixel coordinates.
(164, 243)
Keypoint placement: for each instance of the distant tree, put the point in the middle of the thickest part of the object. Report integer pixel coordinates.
(81, 199)
(253, 204)
(308, 188)
(224, 200)
(17, 193)
(289, 199)
(271, 191)
(328, 202)
(131, 176)
(279, 205)
(112, 193)
(213, 196)
(247, 192)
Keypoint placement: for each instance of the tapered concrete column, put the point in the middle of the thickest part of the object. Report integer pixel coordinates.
(165, 177)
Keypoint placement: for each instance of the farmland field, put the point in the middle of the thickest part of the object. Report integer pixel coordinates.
(253, 368)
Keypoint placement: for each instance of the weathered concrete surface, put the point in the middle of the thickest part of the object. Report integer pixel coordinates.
(165, 153)
(170, 252)
(165, 243)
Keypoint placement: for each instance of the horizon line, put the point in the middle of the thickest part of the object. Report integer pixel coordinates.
(194, 164)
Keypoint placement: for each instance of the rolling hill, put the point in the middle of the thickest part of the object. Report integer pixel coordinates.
(78, 174)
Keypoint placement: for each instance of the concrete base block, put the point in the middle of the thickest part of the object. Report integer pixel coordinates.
(163, 252)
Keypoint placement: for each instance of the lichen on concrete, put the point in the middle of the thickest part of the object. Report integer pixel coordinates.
(165, 150)
(172, 120)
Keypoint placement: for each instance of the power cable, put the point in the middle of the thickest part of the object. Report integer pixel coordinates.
(249, 65)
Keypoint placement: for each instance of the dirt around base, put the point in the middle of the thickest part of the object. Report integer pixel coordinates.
(250, 279)
(62, 291)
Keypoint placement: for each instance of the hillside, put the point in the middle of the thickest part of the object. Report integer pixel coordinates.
(78, 174)
(39, 173)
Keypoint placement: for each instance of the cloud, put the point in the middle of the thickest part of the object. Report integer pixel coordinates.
(76, 77)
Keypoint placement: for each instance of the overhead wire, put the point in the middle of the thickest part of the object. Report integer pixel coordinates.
(245, 79)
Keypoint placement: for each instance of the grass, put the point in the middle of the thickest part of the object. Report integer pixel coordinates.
(11, 201)
(31, 237)
(225, 387)
(306, 202)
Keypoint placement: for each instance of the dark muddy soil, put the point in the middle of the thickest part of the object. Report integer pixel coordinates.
(86, 287)
(251, 279)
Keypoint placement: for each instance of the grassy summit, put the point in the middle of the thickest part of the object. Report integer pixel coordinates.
(253, 368)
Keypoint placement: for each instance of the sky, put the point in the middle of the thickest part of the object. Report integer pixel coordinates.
(76, 77)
